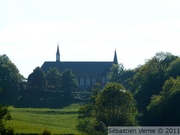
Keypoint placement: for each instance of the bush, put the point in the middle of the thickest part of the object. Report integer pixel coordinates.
(46, 132)
(4, 115)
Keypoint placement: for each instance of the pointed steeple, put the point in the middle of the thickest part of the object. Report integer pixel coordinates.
(57, 53)
(115, 61)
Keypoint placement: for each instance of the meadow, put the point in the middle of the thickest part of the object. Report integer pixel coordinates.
(36, 120)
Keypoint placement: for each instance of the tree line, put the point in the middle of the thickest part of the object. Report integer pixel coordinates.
(111, 106)
(53, 80)
(147, 95)
(155, 87)
(15, 89)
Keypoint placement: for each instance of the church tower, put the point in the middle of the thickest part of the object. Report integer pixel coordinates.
(57, 53)
(115, 61)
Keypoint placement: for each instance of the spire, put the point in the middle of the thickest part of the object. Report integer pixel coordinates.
(115, 61)
(57, 53)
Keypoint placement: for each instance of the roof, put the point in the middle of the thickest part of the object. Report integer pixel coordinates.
(79, 67)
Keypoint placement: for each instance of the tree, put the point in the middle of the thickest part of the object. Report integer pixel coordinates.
(69, 83)
(164, 108)
(173, 69)
(86, 120)
(10, 80)
(115, 72)
(86, 110)
(126, 79)
(10, 77)
(36, 80)
(120, 75)
(46, 132)
(148, 81)
(112, 106)
(53, 78)
(4, 115)
(115, 106)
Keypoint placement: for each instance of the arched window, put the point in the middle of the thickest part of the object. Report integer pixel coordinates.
(88, 81)
(81, 81)
(93, 81)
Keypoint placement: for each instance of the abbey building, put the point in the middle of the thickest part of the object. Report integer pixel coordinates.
(87, 73)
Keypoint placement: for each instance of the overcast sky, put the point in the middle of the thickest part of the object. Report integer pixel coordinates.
(87, 30)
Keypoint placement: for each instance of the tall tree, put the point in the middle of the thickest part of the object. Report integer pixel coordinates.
(53, 78)
(115, 106)
(173, 69)
(86, 120)
(120, 75)
(10, 79)
(36, 80)
(115, 72)
(150, 78)
(112, 106)
(4, 115)
(69, 83)
(164, 108)
(86, 110)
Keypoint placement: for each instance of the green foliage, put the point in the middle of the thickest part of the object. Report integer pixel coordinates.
(53, 89)
(84, 125)
(116, 71)
(86, 110)
(69, 83)
(148, 81)
(53, 78)
(89, 126)
(115, 106)
(126, 79)
(6, 131)
(174, 68)
(156, 98)
(46, 132)
(9, 74)
(4, 115)
(10, 80)
(165, 58)
(164, 108)
(36, 80)
(119, 75)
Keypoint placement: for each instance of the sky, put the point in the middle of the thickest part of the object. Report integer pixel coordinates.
(87, 30)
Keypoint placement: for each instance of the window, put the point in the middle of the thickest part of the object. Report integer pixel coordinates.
(87, 81)
(104, 80)
(81, 81)
(93, 81)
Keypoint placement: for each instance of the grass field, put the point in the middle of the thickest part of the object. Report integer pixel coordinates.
(35, 120)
